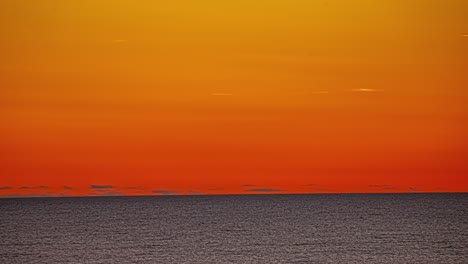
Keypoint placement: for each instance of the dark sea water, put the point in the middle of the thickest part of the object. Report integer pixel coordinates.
(316, 228)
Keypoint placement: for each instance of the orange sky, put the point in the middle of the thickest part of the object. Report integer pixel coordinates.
(208, 96)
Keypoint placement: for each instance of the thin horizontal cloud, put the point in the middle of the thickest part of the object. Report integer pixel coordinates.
(30, 195)
(248, 185)
(37, 187)
(194, 193)
(67, 188)
(165, 192)
(264, 190)
(367, 90)
(101, 187)
(312, 184)
(5, 188)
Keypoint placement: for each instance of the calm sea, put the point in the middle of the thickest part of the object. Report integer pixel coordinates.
(315, 228)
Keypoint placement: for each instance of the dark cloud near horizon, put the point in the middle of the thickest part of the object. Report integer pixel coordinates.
(165, 192)
(264, 190)
(385, 187)
(194, 192)
(5, 188)
(248, 185)
(101, 187)
(37, 187)
(67, 188)
(30, 195)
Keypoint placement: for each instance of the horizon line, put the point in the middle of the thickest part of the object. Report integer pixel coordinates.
(228, 194)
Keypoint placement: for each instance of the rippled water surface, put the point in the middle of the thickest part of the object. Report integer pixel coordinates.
(316, 228)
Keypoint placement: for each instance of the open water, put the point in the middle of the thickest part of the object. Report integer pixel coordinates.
(312, 228)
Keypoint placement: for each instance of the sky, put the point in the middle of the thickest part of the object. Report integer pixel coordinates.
(123, 97)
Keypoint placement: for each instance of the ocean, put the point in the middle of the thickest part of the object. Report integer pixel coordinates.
(305, 228)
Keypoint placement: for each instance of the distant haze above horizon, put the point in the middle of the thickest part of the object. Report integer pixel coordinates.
(120, 97)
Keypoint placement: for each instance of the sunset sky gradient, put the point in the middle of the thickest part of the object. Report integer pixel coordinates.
(113, 97)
